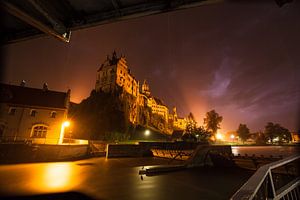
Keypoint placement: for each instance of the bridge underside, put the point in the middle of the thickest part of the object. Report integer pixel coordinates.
(32, 18)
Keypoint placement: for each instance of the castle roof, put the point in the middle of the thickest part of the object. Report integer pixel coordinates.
(159, 102)
(113, 60)
(19, 95)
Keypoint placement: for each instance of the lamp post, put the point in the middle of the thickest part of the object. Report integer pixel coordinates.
(62, 131)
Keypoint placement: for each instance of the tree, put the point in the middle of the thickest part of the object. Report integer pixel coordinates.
(260, 138)
(202, 134)
(191, 128)
(277, 133)
(191, 125)
(243, 132)
(212, 121)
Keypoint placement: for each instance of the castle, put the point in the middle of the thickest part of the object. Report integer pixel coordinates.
(140, 107)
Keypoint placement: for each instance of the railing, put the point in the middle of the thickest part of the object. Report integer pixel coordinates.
(277, 180)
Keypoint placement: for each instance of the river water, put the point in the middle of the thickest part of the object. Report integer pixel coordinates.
(101, 178)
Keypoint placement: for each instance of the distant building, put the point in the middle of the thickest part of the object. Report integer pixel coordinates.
(177, 122)
(32, 114)
(295, 137)
(143, 109)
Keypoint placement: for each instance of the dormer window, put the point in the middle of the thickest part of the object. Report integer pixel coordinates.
(12, 111)
(53, 114)
(33, 113)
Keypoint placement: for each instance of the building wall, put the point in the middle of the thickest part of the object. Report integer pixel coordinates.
(295, 137)
(111, 76)
(20, 125)
(106, 79)
(180, 124)
(157, 108)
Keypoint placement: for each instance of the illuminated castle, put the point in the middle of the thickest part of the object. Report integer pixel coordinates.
(140, 106)
(114, 72)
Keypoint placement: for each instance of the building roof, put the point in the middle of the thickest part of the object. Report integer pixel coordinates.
(19, 95)
(159, 102)
(113, 60)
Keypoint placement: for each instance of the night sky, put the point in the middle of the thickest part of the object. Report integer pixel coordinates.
(241, 59)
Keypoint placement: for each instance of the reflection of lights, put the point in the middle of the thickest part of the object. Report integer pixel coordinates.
(235, 150)
(232, 136)
(219, 136)
(83, 141)
(57, 176)
(276, 139)
(147, 132)
(53, 177)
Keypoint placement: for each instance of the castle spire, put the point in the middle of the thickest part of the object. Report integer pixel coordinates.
(145, 88)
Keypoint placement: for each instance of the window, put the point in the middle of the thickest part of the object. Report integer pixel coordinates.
(39, 131)
(12, 111)
(53, 114)
(33, 113)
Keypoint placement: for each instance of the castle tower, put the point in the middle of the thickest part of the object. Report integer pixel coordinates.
(145, 88)
(115, 74)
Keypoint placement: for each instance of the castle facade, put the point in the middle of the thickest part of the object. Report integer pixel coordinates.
(140, 106)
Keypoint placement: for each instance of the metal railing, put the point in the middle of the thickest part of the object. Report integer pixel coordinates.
(277, 180)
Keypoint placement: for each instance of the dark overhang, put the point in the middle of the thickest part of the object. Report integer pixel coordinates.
(25, 19)
(32, 18)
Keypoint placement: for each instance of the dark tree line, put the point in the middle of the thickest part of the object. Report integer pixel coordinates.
(193, 132)
(273, 133)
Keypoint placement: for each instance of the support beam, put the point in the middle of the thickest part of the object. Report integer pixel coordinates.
(116, 6)
(15, 11)
(58, 26)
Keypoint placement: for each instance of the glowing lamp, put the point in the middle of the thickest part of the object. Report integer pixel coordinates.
(147, 132)
(219, 136)
(66, 124)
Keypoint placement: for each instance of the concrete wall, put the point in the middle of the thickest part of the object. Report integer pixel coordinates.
(123, 150)
(16, 153)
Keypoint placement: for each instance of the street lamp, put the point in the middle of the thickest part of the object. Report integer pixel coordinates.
(219, 136)
(62, 131)
(147, 132)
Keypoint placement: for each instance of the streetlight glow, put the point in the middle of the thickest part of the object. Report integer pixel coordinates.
(232, 136)
(219, 136)
(147, 132)
(66, 124)
(62, 131)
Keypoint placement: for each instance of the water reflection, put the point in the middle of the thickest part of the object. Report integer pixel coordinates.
(275, 151)
(54, 177)
(39, 178)
(57, 176)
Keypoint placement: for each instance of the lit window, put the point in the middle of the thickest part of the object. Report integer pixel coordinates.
(33, 113)
(53, 114)
(39, 131)
(12, 111)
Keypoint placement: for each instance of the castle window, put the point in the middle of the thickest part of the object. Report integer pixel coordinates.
(53, 114)
(12, 111)
(39, 131)
(33, 113)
